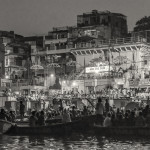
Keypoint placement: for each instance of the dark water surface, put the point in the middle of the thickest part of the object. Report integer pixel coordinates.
(73, 142)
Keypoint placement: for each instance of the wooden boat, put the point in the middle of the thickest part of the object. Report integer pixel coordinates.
(83, 124)
(59, 128)
(89, 119)
(122, 130)
(4, 126)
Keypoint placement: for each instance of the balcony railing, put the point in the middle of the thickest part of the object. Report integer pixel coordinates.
(110, 42)
(94, 44)
(27, 82)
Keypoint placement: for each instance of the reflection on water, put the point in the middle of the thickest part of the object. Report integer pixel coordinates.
(74, 142)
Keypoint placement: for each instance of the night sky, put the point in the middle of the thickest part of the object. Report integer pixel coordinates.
(37, 17)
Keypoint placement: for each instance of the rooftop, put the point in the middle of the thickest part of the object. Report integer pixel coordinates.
(102, 13)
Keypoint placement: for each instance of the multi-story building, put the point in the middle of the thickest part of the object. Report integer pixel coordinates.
(52, 51)
(14, 55)
(52, 57)
(107, 24)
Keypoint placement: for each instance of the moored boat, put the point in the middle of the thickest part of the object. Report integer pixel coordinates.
(123, 130)
(82, 124)
(59, 128)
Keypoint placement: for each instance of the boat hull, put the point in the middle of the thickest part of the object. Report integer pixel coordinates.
(82, 125)
(60, 128)
(5, 126)
(136, 131)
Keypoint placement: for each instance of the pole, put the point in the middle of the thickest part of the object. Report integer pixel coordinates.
(84, 76)
(109, 72)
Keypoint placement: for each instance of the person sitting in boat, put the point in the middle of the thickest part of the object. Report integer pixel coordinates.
(119, 118)
(131, 120)
(107, 121)
(41, 119)
(85, 111)
(73, 112)
(136, 112)
(37, 116)
(140, 120)
(12, 116)
(66, 116)
(126, 119)
(113, 120)
(3, 115)
(148, 119)
(33, 119)
(145, 111)
(99, 112)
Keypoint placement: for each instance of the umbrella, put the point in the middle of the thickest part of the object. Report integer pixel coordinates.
(36, 67)
(121, 60)
(131, 106)
(53, 65)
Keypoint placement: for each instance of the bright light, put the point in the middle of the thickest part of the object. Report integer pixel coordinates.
(64, 82)
(52, 75)
(74, 83)
(6, 77)
(96, 71)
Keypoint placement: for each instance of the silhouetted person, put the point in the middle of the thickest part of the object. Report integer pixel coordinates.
(22, 109)
(99, 111)
(107, 106)
(33, 119)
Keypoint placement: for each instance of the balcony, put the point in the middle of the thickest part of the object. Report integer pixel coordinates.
(27, 82)
(114, 42)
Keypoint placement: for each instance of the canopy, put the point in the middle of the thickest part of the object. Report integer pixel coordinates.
(132, 105)
(36, 67)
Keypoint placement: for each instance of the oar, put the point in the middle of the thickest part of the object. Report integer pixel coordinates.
(91, 103)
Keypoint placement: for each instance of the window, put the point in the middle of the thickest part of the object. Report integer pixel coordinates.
(117, 24)
(42, 58)
(15, 50)
(86, 22)
(145, 62)
(6, 62)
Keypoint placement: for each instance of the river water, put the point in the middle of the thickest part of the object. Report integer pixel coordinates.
(73, 142)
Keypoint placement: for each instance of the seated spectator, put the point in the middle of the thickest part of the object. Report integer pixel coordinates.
(113, 120)
(148, 119)
(85, 111)
(136, 112)
(33, 119)
(140, 121)
(3, 115)
(41, 119)
(73, 112)
(131, 121)
(126, 119)
(12, 116)
(66, 116)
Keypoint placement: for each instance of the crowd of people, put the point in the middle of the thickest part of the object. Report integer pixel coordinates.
(105, 115)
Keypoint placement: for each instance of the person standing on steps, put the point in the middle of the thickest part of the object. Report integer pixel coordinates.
(99, 112)
(22, 110)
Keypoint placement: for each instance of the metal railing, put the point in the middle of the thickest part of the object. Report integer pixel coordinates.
(97, 43)
(103, 43)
